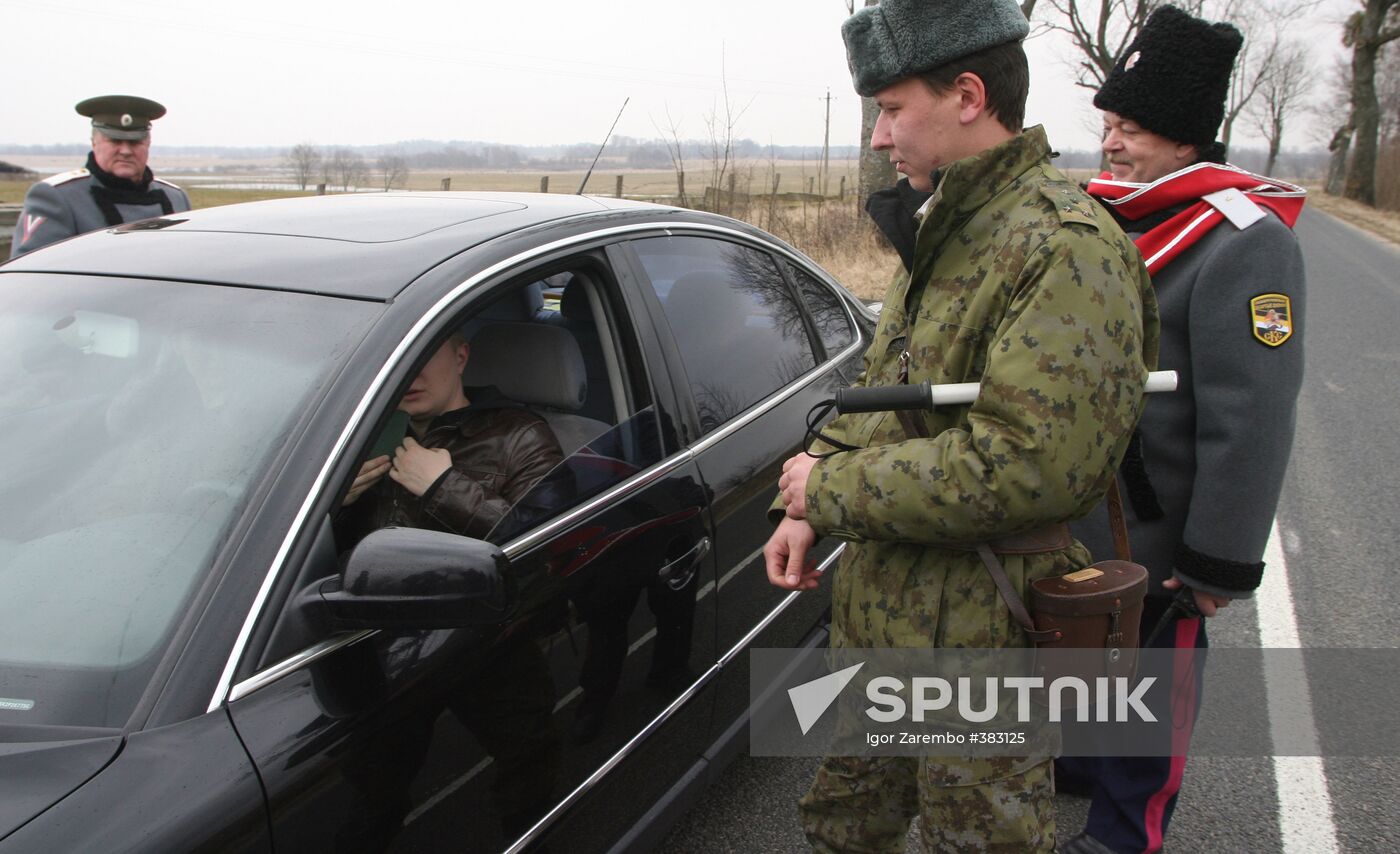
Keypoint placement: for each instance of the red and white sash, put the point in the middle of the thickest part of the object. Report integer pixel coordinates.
(1168, 240)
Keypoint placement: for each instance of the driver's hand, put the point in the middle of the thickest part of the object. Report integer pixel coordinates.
(369, 475)
(416, 468)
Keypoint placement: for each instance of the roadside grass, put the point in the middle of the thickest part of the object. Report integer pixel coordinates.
(12, 190)
(835, 234)
(207, 197)
(1382, 223)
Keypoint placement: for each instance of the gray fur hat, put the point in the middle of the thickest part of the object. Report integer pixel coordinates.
(900, 38)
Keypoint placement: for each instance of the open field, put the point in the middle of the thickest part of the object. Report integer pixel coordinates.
(752, 176)
(833, 232)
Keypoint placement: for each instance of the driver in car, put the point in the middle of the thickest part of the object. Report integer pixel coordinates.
(464, 463)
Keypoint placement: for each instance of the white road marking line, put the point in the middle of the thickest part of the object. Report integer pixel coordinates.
(1304, 804)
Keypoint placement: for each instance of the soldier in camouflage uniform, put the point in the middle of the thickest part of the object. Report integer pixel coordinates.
(115, 187)
(1016, 280)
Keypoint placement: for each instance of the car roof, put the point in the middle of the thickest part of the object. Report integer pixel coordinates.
(364, 245)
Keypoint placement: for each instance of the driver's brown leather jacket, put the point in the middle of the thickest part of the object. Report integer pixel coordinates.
(498, 454)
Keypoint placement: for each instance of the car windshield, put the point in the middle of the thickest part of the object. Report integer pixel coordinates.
(136, 417)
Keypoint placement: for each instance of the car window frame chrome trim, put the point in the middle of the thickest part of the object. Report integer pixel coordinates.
(665, 714)
(224, 686)
(293, 663)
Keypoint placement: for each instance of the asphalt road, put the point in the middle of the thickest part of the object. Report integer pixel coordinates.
(1336, 525)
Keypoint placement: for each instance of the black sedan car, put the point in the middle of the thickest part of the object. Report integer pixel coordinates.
(193, 657)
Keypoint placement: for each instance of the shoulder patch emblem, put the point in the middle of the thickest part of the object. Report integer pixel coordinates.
(1271, 316)
(1070, 205)
(65, 177)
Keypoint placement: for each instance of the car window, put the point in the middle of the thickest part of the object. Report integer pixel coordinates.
(138, 416)
(734, 318)
(828, 311)
(550, 356)
(607, 460)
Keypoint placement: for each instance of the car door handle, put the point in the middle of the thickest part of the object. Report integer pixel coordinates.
(677, 573)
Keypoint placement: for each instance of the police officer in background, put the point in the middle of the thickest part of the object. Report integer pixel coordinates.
(116, 186)
(1205, 471)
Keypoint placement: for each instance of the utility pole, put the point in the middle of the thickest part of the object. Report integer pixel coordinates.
(826, 146)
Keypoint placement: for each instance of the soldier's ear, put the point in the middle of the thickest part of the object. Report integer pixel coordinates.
(972, 96)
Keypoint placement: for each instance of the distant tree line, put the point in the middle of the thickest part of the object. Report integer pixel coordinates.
(349, 167)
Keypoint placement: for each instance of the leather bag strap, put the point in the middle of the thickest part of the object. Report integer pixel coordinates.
(1011, 597)
(1117, 524)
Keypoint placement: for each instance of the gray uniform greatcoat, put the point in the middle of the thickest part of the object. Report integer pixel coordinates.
(79, 201)
(1215, 450)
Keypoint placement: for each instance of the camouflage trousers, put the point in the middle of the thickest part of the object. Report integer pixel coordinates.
(915, 596)
(865, 805)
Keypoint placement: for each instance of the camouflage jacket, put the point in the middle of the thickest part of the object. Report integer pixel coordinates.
(1022, 283)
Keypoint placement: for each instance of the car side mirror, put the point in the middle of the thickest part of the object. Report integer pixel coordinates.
(409, 578)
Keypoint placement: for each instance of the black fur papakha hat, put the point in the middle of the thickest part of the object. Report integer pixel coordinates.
(899, 38)
(1174, 77)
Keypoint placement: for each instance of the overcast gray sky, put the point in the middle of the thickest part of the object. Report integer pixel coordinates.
(259, 72)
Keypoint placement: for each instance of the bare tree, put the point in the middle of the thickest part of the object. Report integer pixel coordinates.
(1388, 159)
(1388, 94)
(1367, 32)
(1099, 32)
(393, 170)
(1253, 66)
(720, 124)
(1330, 129)
(1265, 28)
(303, 161)
(876, 171)
(1280, 94)
(345, 168)
(675, 149)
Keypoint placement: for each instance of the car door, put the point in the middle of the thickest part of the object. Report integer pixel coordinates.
(468, 738)
(760, 341)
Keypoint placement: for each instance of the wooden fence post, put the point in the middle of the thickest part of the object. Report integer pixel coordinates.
(320, 189)
(544, 184)
(811, 186)
(618, 192)
(843, 188)
(733, 182)
(447, 183)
